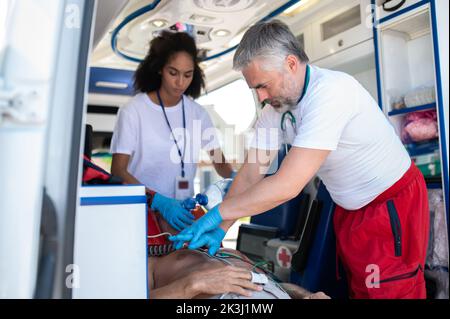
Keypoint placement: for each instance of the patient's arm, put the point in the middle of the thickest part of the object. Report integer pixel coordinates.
(297, 292)
(212, 281)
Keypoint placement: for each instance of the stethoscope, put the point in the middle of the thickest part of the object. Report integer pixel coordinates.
(291, 117)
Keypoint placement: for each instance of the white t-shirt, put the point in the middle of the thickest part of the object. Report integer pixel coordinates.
(338, 114)
(141, 131)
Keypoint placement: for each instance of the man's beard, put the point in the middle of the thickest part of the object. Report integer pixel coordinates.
(282, 105)
(287, 101)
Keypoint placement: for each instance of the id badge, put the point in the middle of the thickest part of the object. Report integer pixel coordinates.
(182, 189)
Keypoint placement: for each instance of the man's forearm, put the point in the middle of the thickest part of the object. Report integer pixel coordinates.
(263, 196)
(295, 172)
(243, 181)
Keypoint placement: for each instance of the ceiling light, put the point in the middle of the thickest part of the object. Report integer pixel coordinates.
(294, 7)
(158, 23)
(111, 85)
(221, 33)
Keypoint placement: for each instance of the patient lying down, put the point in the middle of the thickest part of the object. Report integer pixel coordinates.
(186, 274)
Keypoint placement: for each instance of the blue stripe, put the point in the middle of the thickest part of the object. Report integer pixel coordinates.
(115, 200)
(285, 6)
(416, 149)
(127, 20)
(146, 253)
(407, 110)
(440, 99)
(111, 75)
(151, 6)
(269, 16)
(403, 11)
(434, 186)
(377, 57)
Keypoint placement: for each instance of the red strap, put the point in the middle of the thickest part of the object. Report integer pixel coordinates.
(93, 172)
(154, 229)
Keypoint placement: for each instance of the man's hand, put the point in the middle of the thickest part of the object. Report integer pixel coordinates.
(211, 239)
(172, 211)
(209, 222)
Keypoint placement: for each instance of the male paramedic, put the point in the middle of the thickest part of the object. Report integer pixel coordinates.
(381, 219)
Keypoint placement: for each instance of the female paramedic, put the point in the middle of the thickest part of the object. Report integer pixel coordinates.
(381, 219)
(159, 133)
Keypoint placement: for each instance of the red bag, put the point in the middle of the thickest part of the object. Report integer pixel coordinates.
(95, 175)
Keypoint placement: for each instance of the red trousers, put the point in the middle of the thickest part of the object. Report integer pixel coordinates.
(383, 245)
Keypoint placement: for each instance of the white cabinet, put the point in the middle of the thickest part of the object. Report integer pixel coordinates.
(407, 59)
(348, 26)
(410, 86)
(411, 96)
(110, 253)
(386, 8)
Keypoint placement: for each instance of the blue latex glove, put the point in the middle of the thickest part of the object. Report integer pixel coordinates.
(210, 221)
(172, 211)
(233, 174)
(212, 239)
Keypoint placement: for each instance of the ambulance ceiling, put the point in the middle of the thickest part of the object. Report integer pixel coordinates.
(217, 25)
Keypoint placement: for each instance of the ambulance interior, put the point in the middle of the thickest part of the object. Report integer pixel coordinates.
(66, 68)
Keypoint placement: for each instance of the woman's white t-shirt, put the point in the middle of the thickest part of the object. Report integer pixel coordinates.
(338, 114)
(141, 131)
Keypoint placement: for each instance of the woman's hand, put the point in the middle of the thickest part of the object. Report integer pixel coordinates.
(221, 280)
(172, 211)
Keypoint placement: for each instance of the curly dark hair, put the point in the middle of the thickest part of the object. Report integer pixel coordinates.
(147, 77)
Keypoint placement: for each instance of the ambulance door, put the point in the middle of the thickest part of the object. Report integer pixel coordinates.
(44, 49)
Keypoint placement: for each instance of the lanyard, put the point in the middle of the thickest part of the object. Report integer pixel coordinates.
(171, 131)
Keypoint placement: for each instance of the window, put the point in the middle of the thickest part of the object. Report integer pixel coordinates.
(234, 103)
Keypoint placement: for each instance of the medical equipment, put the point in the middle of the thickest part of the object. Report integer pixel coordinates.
(283, 127)
(259, 278)
(160, 250)
(279, 253)
(189, 203)
(156, 250)
(252, 240)
(214, 194)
